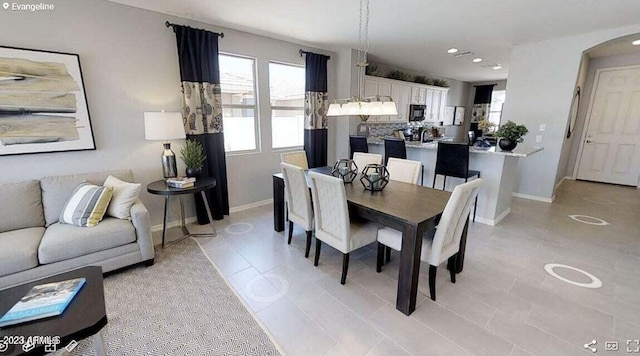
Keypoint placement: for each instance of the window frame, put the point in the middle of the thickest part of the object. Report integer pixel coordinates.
(501, 107)
(255, 107)
(284, 108)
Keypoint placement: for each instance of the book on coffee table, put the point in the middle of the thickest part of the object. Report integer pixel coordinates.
(42, 301)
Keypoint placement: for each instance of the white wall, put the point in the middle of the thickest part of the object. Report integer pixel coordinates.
(590, 76)
(542, 76)
(130, 66)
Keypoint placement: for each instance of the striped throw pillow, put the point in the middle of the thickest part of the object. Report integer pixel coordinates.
(87, 205)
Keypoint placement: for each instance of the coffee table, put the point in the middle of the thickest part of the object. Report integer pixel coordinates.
(84, 317)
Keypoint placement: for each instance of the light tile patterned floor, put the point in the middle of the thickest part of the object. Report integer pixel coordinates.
(504, 303)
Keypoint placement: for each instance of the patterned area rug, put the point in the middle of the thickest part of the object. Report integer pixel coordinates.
(179, 306)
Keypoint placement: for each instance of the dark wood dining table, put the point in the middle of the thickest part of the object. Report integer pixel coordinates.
(410, 208)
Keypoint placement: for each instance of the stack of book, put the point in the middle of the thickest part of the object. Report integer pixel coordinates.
(181, 182)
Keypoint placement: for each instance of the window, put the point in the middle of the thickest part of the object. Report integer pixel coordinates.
(286, 88)
(497, 102)
(237, 82)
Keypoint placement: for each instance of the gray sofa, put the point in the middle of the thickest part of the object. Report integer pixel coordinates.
(34, 245)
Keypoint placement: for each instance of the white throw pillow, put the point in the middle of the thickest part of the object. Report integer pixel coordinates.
(125, 195)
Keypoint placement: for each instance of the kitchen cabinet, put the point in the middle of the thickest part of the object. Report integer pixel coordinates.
(418, 95)
(401, 95)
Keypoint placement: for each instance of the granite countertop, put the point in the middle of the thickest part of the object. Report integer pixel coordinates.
(520, 150)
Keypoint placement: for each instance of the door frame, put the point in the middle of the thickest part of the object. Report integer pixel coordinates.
(587, 119)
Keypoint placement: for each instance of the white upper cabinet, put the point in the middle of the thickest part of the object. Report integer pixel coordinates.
(401, 95)
(418, 95)
(370, 87)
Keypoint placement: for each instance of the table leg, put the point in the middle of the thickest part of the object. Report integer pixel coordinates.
(164, 220)
(409, 268)
(98, 344)
(206, 205)
(463, 247)
(278, 204)
(185, 231)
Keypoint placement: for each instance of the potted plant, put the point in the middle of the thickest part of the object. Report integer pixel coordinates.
(192, 153)
(510, 135)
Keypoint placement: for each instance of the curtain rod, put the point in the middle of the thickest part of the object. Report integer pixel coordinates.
(305, 52)
(483, 85)
(169, 24)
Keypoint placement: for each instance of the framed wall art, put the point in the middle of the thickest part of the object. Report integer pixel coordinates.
(43, 104)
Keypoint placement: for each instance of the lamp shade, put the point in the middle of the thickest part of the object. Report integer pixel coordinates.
(334, 110)
(389, 108)
(375, 108)
(163, 126)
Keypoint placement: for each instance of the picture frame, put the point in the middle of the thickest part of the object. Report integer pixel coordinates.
(43, 103)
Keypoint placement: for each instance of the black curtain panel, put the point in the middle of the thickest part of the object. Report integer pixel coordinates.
(315, 109)
(483, 94)
(202, 111)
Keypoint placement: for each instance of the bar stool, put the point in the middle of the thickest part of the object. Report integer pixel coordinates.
(453, 161)
(396, 147)
(358, 144)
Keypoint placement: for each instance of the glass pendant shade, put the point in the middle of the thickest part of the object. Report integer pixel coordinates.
(376, 108)
(335, 109)
(351, 108)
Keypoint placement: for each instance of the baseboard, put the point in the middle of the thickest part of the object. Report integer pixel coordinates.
(236, 209)
(533, 197)
(562, 181)
(494, 222)
(175, 223)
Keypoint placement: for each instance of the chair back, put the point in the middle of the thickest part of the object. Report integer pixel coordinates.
(446, 241)
(452, 159)
(404, 170)
(394, 148)
(297, 158)
(332, 224)
(299, 203)
(362, 159)
(358, 144)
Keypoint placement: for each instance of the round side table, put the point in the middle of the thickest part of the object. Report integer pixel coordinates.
(160, 187)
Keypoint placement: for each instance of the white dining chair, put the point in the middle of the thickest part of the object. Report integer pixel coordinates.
(332, 223)
(404, 170)
(445, 243)
(362, 159)
(299, 207)
(297, 158)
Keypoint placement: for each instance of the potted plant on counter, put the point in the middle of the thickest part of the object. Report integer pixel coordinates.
(510, 135)
(193, 156)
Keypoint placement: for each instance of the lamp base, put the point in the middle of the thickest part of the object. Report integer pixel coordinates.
(169, 166)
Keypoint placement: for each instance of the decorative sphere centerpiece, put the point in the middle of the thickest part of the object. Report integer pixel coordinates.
(346, 169)
(374, 177)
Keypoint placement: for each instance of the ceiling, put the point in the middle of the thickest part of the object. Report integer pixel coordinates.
(413, 34)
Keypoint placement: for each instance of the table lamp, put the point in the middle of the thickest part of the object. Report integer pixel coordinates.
(165, 126)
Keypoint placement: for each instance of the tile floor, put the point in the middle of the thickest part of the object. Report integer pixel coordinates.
(504, 303)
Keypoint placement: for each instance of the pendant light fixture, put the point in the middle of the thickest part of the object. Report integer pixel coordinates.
(359, 105)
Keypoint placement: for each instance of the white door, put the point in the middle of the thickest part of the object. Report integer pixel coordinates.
(611, 150)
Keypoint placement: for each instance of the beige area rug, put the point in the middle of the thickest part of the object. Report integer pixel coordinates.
(179, 306)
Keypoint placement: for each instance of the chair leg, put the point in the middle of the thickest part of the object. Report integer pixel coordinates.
(475, 208)
(422, 176)
(317, 257)
(308, 247)
(380, 257)
(434, 180)
(432, 281)
(290, 232)
(388, 254)
(345, 267)
(452, 267)
(444, 183)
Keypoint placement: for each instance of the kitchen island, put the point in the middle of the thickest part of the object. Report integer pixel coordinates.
(498, 169)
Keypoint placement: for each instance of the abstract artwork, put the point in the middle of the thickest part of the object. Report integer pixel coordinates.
(43, 105)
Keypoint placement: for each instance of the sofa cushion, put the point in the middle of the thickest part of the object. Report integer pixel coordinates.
(57, 190)
(87, 205)
(62, 242)
(21, 206)
(19, 250)
(125, 195)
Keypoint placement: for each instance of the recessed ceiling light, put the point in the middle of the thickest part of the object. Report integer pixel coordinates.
(452, 50)
(497, 67)
(636, 43)
(477, 60)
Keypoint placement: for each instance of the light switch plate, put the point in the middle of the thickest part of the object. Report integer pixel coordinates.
(538, 138)
(543, 127)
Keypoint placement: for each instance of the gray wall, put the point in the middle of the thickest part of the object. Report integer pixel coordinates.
(542, 76)
(130, 66)
(590, 76)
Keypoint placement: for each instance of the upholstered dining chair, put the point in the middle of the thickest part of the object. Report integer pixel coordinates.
(297, 158)
(357, 144)
(362, 159)
(452, 160)
(299, 205)
(404, 170)
(332, 223)
(445, 243)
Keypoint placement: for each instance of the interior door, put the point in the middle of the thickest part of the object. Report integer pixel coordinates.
(611, 151)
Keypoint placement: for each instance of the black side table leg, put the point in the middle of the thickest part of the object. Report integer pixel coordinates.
(164, 220)
(206, 205)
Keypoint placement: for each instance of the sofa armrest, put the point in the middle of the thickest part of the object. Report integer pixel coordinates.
(142, 223)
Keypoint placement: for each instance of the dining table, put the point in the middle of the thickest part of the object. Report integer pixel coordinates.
(410, 208)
